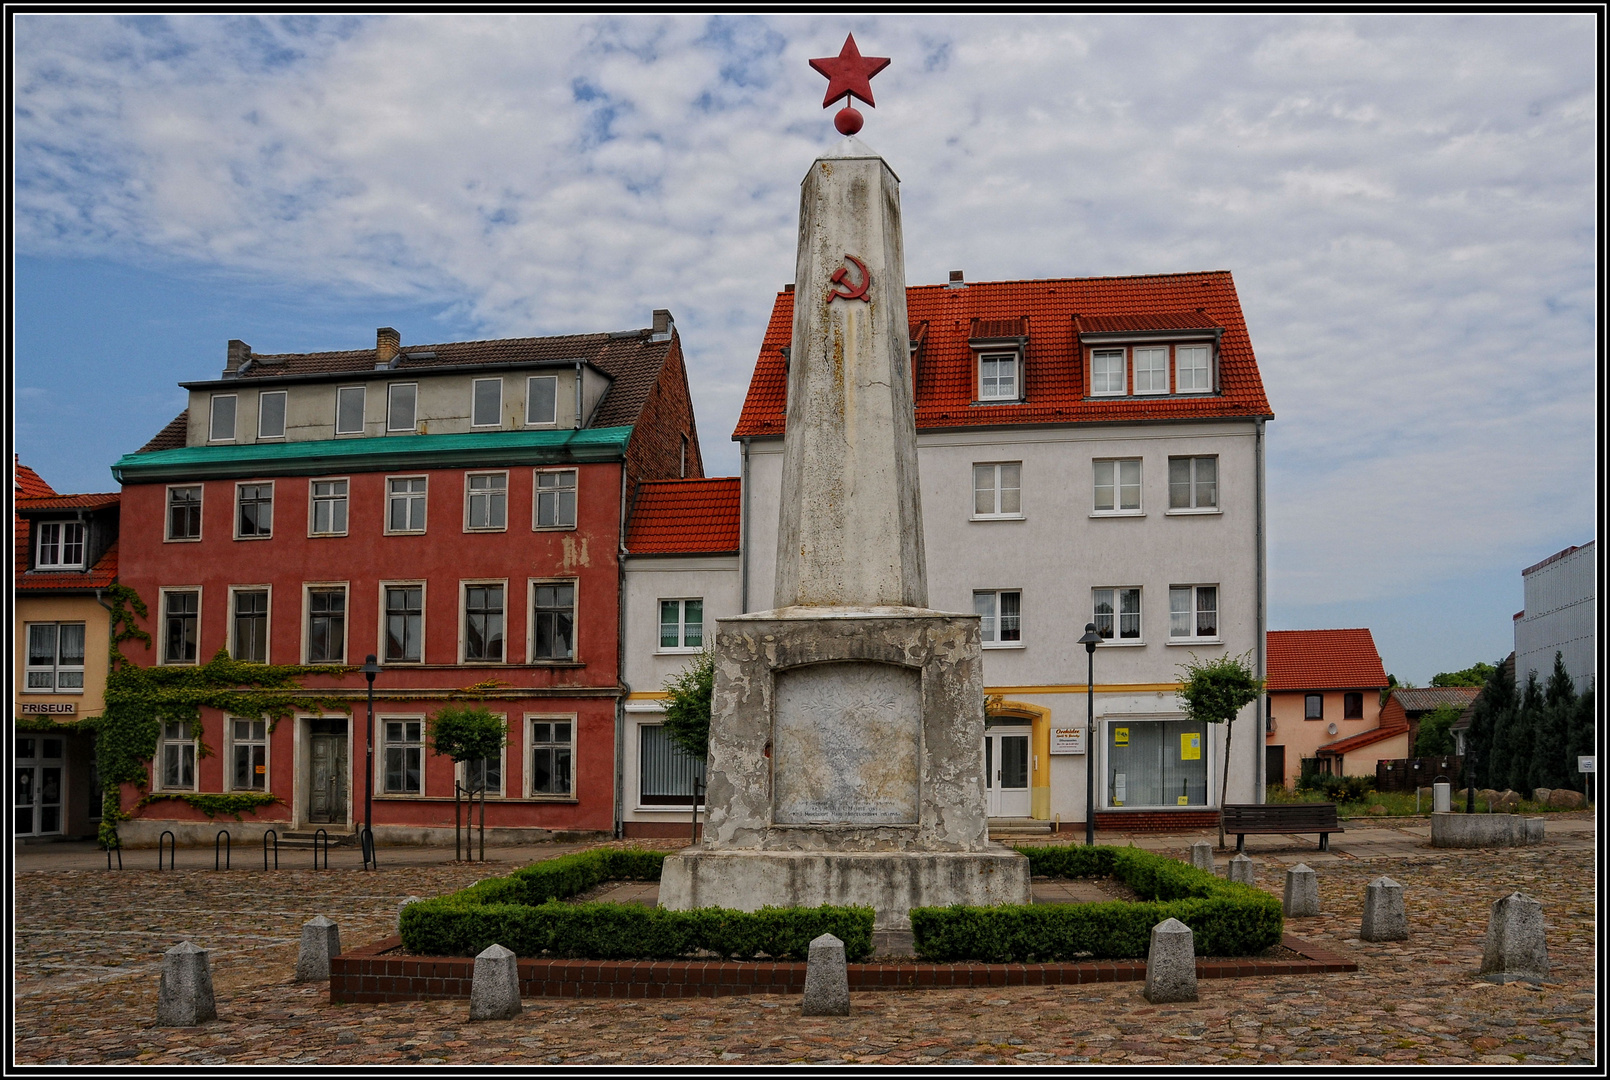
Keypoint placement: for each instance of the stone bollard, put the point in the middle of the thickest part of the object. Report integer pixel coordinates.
(1515, 950)
(1384, 919)
(827, 981)
(1171, 963)
(1301, 899)
(402, 904)
(495, 987)
(184, 998)
(1241, 868)
(321, 939)
(1202, 855)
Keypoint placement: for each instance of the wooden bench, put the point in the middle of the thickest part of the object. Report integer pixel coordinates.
(1320, 818)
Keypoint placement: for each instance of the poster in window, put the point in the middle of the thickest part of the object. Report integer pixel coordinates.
(1120, 736)
(1190, 746)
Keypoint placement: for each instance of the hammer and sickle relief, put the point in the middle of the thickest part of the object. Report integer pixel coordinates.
(841, 278)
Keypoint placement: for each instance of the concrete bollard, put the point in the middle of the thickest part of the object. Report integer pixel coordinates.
(827, 981)
(184, 998)
(495, 986)
(1515, 950)
(1301, 899)
(402, 904)
(321, 939)
(1171, 963)
(1384, 919)
(1241, 868)
(1202, 855)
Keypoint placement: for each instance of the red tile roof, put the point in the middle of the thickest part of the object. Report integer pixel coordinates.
(1054, 310)
(70, 502)
(27, 484)
(171, 437)
(1424, 699)
(685, 517)
(1393, 722)
(99, 576)
(1323, 660)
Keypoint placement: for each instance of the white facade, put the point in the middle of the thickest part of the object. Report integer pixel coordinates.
(1559, 617)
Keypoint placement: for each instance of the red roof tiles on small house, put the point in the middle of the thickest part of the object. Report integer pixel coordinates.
(70, 502)
(683, 517)
(1394, 721)
(1323, 660)
(99, 576)
(1423, 699)
(27, 484)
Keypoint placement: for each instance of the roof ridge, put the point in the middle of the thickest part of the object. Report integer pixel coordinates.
(405, 350)
(1093, 277)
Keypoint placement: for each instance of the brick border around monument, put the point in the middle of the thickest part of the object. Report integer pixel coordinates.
(380, 973)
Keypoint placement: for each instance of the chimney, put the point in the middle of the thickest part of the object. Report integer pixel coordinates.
(238, 353)
(956, 281)
(789, 287)
(387, 342)
(662, 325)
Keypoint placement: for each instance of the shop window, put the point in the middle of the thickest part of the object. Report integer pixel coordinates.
(665, 775)
(1157, 763)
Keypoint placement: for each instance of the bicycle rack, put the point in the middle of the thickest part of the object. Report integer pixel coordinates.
(173, 850)
(276, 836)
(117, 846)
(318, 835)
(366, 840)
(223, 834)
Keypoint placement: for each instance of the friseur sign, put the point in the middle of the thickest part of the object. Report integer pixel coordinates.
(67, 708)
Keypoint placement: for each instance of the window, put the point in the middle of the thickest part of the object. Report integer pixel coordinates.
(553, 614)
(1313, 706)
(556, 499)
(349, 410)
(221, 425)
(254, 511)
(250, 625)
(487, 499)
(249, 739)
(400, 401)
(1151, 369)
(329, 508)
(483, 774)
(405, 624)
(55, 658)
(665, 775)
(1193, 483)
(405, 755)
(1001, 621)
(997, 377)
(542, 399)
(1193, 611)
(271, 415)
(61, 545)
(1352, 705)
(184, 513)
(405, 504)
(551, 756)
(327, 625)
(681, 625)
(998, 490)
(1157, 762)
(1123, 603)
(486, 403)
(1107, 371)
(1117, 486)
(483, 622)
(181, 616)
(1191, 372)
(177, 756)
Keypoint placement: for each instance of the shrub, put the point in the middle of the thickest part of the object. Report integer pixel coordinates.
(1341, 789)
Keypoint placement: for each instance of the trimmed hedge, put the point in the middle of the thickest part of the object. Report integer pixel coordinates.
(522, 912)
(1226, 918)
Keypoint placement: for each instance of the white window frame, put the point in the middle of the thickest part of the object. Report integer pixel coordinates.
(491, 494)
(269, 535)
(268, 621)
(285, 418)
(461, 771)
(313, 499)
(531, 620)
(413, 417)
(1206, 369)
(997, 491)
(386, 744)
(159, 764)
(995, 630)
(639, 805)
(1123, 372)
(529, 386)
(423, 496)
(536, 499)
(1134, 360)
(1196, 609)
(162, 617)
(997, 356)
(1118, 614)
(167, 514)
(529, 746)
(231, 741)
(308, 588)
(1218, 486)
(464, 587)
(497, 413)
(60, 546)
(1118, 485)
(682, 624)
(385, 617)
(363, 409)
(56, 668)
(212, 418)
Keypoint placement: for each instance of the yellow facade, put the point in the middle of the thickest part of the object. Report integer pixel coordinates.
(69, 799)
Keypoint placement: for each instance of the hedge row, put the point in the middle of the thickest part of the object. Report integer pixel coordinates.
(1227, 919)
(564, 877)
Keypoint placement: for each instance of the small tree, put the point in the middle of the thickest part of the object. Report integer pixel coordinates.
(687, 706)
(467, 733)
(1213, 692)
(1475, 675)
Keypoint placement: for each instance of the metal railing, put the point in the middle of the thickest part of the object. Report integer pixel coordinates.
(173, 850)
(223, 835)
(318, 835)
(276, 838)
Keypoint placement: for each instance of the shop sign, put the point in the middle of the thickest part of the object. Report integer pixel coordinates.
(49, 708)
(1191, 746)
(1067, 740)
(1120, 736)
(1585, 764)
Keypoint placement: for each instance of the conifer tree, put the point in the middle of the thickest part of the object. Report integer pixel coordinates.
(1582, 733)
(1487, 738)
(1523, 735)
(1552, 736)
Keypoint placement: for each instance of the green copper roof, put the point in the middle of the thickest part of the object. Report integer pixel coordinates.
(468, 450)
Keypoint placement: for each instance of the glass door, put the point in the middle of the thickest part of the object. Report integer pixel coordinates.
(38, 792)
(1006, 772)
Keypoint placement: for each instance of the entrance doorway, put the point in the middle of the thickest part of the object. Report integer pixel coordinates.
(37, 802)
(1274, 763)
(1006, 771)
(327, 772)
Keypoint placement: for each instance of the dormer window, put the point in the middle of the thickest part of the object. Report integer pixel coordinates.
(1107, 371)
(1192, 373)
(1151, 369)
(998, 377)
(61, 545)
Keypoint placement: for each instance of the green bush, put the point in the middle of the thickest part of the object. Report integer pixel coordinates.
(1226, 919)
(1341, 789)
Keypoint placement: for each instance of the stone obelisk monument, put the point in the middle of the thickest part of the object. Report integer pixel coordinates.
(847, 729)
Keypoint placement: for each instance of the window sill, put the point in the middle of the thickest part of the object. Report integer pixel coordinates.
(49, 692)
(1196, 641)
(1192, 512)
(998, 517)
(553, 528)
(1117, 513)
(404, 532)
(695, 651)
(555, 664)
(63, 569)
(681, 811)
(181, 540)
(986, 402)
(1001, 644)
(270, 536)
(490, 529)
(1127, 643)
(325, 536)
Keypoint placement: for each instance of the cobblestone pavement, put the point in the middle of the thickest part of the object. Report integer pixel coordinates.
(88, 949)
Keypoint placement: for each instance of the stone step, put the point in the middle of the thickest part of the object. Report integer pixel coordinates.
(999, 827)
(308, 839)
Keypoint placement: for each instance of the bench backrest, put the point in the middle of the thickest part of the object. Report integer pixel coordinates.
(1293, 815)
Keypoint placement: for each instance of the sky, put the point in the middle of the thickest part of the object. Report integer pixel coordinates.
(1408, 204)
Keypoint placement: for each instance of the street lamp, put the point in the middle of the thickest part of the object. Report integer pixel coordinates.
(370, 669)
(1090, 641)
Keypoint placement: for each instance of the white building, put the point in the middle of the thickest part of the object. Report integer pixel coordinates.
(1559, 617)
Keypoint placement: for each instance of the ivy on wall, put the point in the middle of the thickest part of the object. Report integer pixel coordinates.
(214, 803)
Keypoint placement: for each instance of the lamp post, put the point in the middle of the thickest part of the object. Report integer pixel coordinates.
(1090, 641)
(370, 670)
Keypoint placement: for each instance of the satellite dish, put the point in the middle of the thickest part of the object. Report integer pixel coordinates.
(1331, 729)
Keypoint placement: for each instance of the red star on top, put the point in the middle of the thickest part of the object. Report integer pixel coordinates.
(849, 74)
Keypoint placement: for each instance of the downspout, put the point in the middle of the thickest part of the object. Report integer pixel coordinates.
(743, 527)
(620, 661)
(1262, 741)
